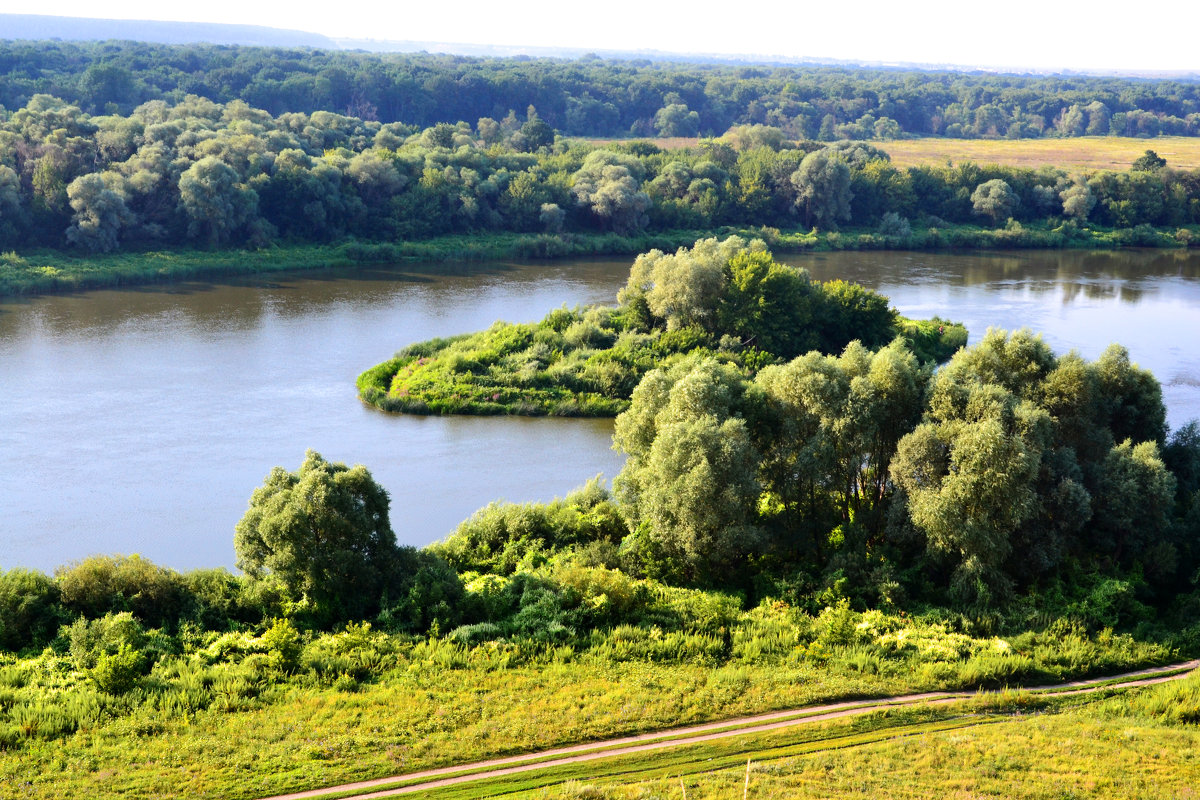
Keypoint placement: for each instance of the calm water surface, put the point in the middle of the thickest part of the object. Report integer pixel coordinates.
(141, 420)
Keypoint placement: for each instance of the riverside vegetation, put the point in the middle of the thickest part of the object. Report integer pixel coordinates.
(103, 196)
(821, 526)
(729, 298)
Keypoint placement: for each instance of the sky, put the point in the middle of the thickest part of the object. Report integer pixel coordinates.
(1152, 35)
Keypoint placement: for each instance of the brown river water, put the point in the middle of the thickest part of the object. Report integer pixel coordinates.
(140, 420)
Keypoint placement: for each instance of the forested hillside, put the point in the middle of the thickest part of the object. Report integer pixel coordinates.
(598, 97)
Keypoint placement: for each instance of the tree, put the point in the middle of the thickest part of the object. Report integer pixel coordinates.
(214, 201)
(1077, 200)
(839, 419)
(537, 134)
(100, 212)
(1134, 505)
(768, 305)
(323, 532)
(822, 186)
(994, 199)
(969, 482)
(676, 120)
(12, 216)
(29, 610)
(690, 485)
(607, 184)
(686, 287)
(1149, 161)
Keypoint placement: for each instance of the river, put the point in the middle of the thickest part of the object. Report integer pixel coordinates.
(140, 420)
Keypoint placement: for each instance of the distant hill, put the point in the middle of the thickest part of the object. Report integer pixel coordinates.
(36, 26)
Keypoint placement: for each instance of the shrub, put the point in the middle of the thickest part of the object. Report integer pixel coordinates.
(88, 640)
(119, 672)
(102, 584)
(29, 609)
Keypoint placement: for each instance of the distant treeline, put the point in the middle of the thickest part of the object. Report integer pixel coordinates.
(591, 96)
(203, 174)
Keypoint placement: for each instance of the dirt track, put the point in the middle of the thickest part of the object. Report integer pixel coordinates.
(677, 737)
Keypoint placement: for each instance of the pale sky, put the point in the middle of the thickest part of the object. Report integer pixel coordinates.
(1146, 36)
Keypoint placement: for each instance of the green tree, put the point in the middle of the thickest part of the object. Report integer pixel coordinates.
(1077, 200)
(29, 610)
(13, 217)
(323, 532)
(969, 483)
(1149, 161)
(685, 287)
(214, 201)
(676, 120)
(607, 184)
(768, 305)
(822, 185)
(839, 420)
(690, 484)
(98, 201)
(1134, 505)
(995, 200)
(536, 134)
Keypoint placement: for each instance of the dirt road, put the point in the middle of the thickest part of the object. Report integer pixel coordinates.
(678, 737)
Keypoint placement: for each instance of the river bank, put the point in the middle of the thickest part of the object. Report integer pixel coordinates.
(51, 271)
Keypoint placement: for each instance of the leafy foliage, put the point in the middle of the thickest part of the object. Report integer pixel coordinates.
(323, 532)
(729, 298)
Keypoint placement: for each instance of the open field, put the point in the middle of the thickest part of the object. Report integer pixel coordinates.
(1080, 153)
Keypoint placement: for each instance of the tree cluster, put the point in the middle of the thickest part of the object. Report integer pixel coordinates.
(209, 175)
(1007, 469)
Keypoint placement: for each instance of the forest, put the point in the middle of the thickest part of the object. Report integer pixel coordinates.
(210, 176)
(591, 96)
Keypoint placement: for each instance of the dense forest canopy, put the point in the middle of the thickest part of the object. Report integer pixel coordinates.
(218, 175)
(591, 96)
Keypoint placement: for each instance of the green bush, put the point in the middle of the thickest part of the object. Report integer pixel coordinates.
(29, 610)
(104, 584)
(88, 640)
(118, 672)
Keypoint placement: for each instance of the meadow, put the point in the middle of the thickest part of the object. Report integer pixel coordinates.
(1085, 153)
(1080, 153)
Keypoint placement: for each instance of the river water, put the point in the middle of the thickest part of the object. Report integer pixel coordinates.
(140, 420)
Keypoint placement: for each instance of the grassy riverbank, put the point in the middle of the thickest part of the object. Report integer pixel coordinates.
(45, 271)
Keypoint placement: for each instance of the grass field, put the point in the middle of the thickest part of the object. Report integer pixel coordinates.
(1079, 153)
(1069, 755)
(1083, 153)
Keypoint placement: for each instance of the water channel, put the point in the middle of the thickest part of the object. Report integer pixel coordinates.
(140, 420)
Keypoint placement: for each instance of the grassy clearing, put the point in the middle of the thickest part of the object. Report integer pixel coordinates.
(42, 271)
(46, 271)
(1085, 153)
